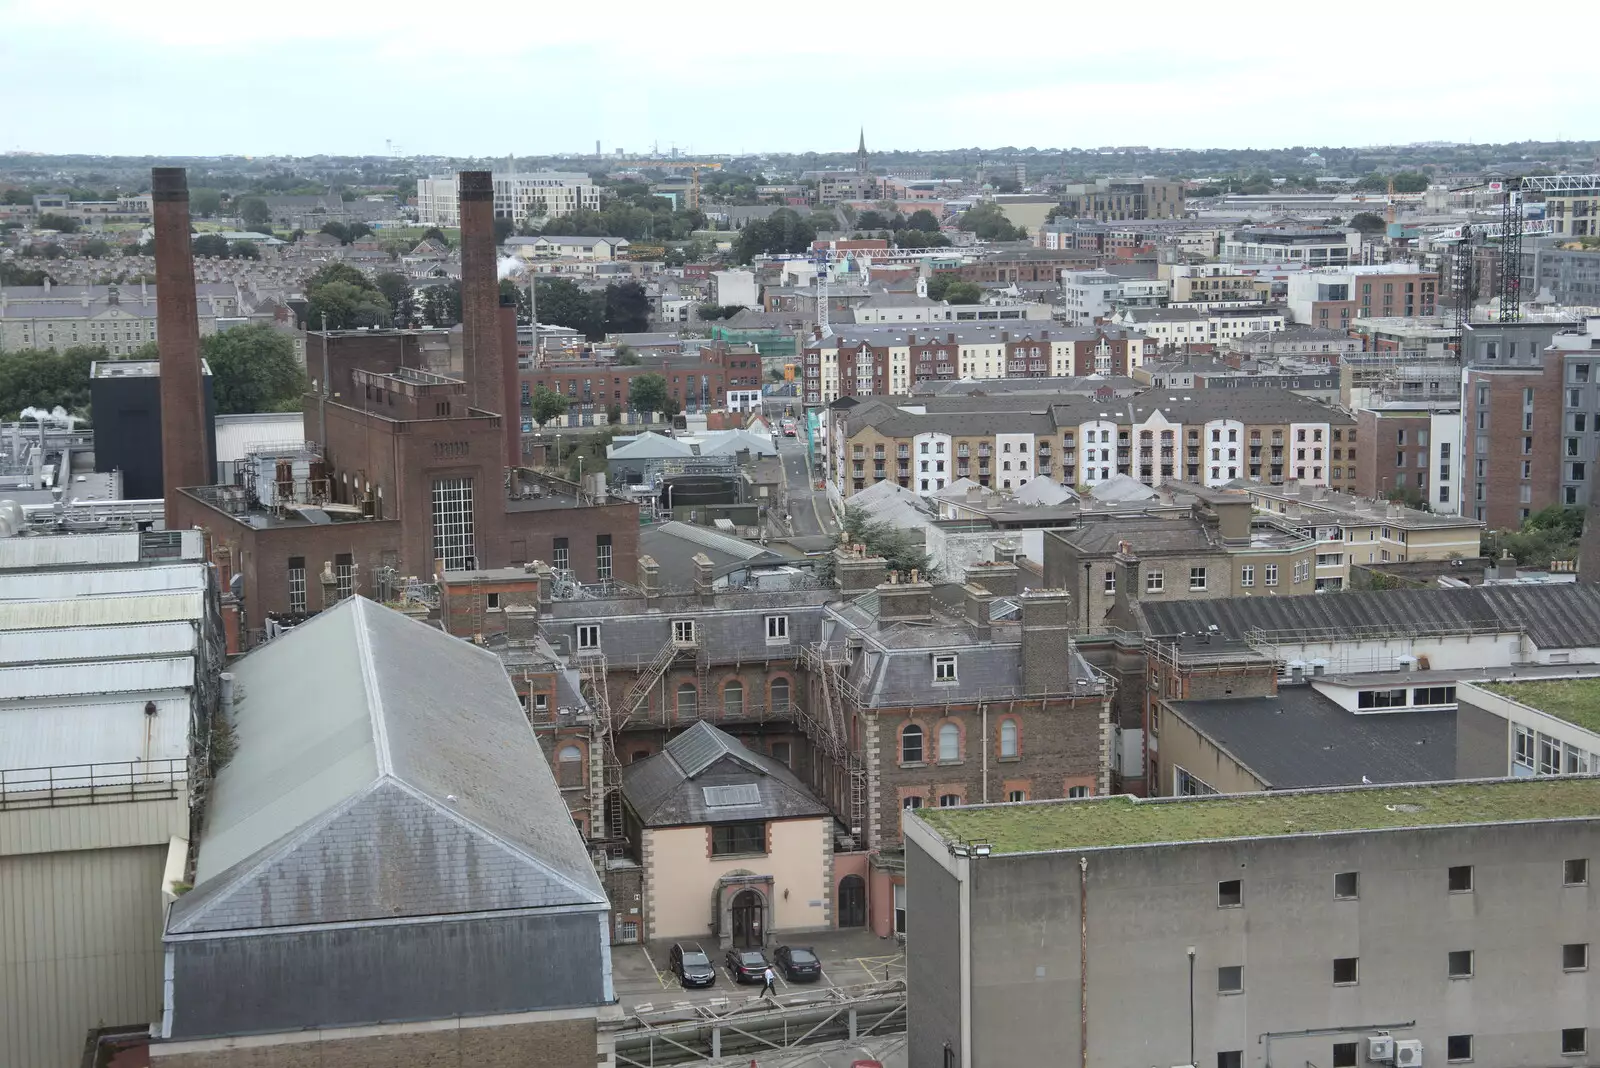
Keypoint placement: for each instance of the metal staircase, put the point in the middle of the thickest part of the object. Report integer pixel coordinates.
(830, 732)
(605, 773)
(651, 674)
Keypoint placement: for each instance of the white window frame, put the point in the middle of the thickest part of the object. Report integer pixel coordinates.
(588, 637)
(777, 630)
(1154, 582)
(683, 632)
(944, 668)
(1197, 578)
(1272, 574)
(1247, 575)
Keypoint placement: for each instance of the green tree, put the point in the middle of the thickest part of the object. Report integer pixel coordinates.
(211, 245)
(872, 219)
(547, 405)
(781, 233)
(395, 287)
(627, 308)
(37, 378)
(648, 393)
(205, 202)
(909, 238)
(441, 305)
(1410, 182)
(988, 222)
(953, 288)
(244, 250)
(341, 305)
(96, 248)
(253, 212)
(13, 275)
(435, 234)
(563, 303)
(254, 369)
(924, 220)
(900, 550)
(60, 223)
(628, 356)
(1367, 222)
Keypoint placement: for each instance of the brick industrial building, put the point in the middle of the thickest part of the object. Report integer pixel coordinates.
(696, 381)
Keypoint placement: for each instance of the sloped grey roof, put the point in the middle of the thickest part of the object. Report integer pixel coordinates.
(1121, 488)
(383, 769)
(1562, 616)
(680, 785)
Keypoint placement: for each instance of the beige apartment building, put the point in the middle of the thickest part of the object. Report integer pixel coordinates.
(1215, 282)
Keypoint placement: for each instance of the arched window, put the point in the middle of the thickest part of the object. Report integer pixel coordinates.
(949, 743)
(569, 766)
(733, 699)
(911, 745)
(780, 695)
(688, 701)
(1008, 738)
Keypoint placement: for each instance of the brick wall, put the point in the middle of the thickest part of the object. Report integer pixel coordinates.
(465, 1043)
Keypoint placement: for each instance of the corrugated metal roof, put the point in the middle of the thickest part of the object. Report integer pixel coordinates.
(99, 643)
(56, 585)
(85, 550)
(237, 434)
(76, 680)
(76, 736)
(103, 611)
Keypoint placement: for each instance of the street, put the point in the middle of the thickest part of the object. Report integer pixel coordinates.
(808, 507)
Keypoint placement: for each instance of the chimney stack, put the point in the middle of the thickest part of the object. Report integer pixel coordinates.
(480, 291)
(510, 385)
(185, 452)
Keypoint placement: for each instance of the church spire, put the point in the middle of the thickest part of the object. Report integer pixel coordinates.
(861, 153)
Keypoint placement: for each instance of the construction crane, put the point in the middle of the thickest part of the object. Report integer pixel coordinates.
(694, 168)
(1513, 222)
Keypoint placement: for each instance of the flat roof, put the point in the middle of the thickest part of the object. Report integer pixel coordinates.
(1120, 820)
(1575, 700)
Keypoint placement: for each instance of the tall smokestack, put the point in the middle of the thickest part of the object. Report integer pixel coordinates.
(511, 384)
(480, 291)
(185, 452)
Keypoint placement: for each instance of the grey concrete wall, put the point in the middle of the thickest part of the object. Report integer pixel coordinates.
(1147, 904)
(933, 961)
(1483, 743)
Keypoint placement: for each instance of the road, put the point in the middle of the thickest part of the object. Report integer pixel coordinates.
(808, 507)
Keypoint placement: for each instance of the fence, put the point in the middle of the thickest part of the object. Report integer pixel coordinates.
(93, 784)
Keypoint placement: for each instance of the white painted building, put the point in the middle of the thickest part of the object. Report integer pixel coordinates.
(536, 195)
(932, 462)
(735, 287)
(1089, 296)
(1223, 455)
(1097, 457)
(1014, 460)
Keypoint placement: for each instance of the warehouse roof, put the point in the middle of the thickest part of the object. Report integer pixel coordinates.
(383, 769)
(1117, 821)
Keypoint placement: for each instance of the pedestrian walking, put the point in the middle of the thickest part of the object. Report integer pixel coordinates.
(767, 977)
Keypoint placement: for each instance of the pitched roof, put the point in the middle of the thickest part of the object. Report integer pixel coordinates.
(705, 775)
(383, 769)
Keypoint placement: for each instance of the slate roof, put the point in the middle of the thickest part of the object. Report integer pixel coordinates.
(1559, 616)
(384, 769)
(730, 630)
(1300, 738)
(1144, 536)
(705, 775)
(674, 546)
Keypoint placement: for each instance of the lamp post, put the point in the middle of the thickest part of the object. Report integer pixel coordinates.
(1191, 1007)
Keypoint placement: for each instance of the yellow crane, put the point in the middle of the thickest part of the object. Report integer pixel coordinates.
(692, 166)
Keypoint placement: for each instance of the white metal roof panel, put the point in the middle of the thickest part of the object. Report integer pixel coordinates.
(238, 434)
(93, 733)
(78, 680)
(99, 643)
(59, 585)
(103, 611)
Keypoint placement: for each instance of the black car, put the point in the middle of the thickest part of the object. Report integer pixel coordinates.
(746, 965)
(799, 964)
(691, 965)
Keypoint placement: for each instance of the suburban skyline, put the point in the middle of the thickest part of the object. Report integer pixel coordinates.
(743, 81)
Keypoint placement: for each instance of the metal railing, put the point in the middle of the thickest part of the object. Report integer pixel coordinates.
(93, 784)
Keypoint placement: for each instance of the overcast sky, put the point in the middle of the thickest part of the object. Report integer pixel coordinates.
(469, 77)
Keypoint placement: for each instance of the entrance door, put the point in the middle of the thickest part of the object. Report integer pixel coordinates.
(747, 920)
(852, 901)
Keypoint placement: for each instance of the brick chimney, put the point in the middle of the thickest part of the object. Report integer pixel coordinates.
(510, 385)
(856, 573)
(909, 601)
(650, 580)
(977, 600)
(480, 291)
(705, 578)
(185, 452)
(1046, 628)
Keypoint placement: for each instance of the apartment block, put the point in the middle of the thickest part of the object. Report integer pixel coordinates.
(534, 195)
(1311, 246)
(1119, 201)
(1413, 450)
(1215, 326)
(1217, 282)
(1334, 298)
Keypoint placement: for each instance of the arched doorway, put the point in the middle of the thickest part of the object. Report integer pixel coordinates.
(852, 901)
(747, 910)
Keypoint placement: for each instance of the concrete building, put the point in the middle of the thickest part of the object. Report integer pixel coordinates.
(1329, 299)
(1370, 924)
(1089, 296)
(1537, 726)
(359, 737)
(1294, 340)
(1414, 447)
(111, 319)
(125, 397)
(735, 288)
(1176, 328)
(1311, 246)
(112, 647)
(533, 196)
(1217, 283)
(556, 246)
(1118, 201)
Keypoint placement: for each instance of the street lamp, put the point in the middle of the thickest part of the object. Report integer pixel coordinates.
(1191, 1007)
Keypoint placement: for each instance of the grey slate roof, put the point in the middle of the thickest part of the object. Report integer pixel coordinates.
(731, 629)
(705, 775)
(1562, 616)
(1300, 739)
(1177, 535)
(674, 546)
(383, 769)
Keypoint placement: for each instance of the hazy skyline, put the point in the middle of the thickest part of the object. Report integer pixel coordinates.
(480, 79)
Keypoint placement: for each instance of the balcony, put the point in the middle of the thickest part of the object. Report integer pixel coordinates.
(984, 452)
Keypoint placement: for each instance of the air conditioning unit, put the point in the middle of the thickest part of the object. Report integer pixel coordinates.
(1380, 1048)
(1408, 1053)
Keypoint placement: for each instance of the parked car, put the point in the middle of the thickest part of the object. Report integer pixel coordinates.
(691, 965)
(746, 965)
(799, 964)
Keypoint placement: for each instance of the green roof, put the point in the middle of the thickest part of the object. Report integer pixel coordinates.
(1121, 820)
(1575, 700)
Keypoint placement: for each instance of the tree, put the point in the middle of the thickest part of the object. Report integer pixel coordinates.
(628, 356)
(253, 211)
(909, 238)
(781, 233)
(951, 287)
(441, 305)
(627, 308)
(37, 378)
(562, 303)
(244, 250)
(395, 287)
(648, 393)
(547, 405)
(1367, 222)
(924, 220)
(342, 305)
(254, 369)
(62, 224)
(899, 549)
(1410, 182)
(872, 219)
(436, 234)
(213, 245)
(13, 275)
(205, 202)
(988, 222)
(96, 248)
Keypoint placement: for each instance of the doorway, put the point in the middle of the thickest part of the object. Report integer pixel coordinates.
(852, 901)
(747, 910)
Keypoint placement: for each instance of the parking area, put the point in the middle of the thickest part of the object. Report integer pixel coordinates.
(644, 983)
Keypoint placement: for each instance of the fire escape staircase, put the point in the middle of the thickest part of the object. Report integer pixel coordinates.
(830, 732)
(651, 674)
(605, 774)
